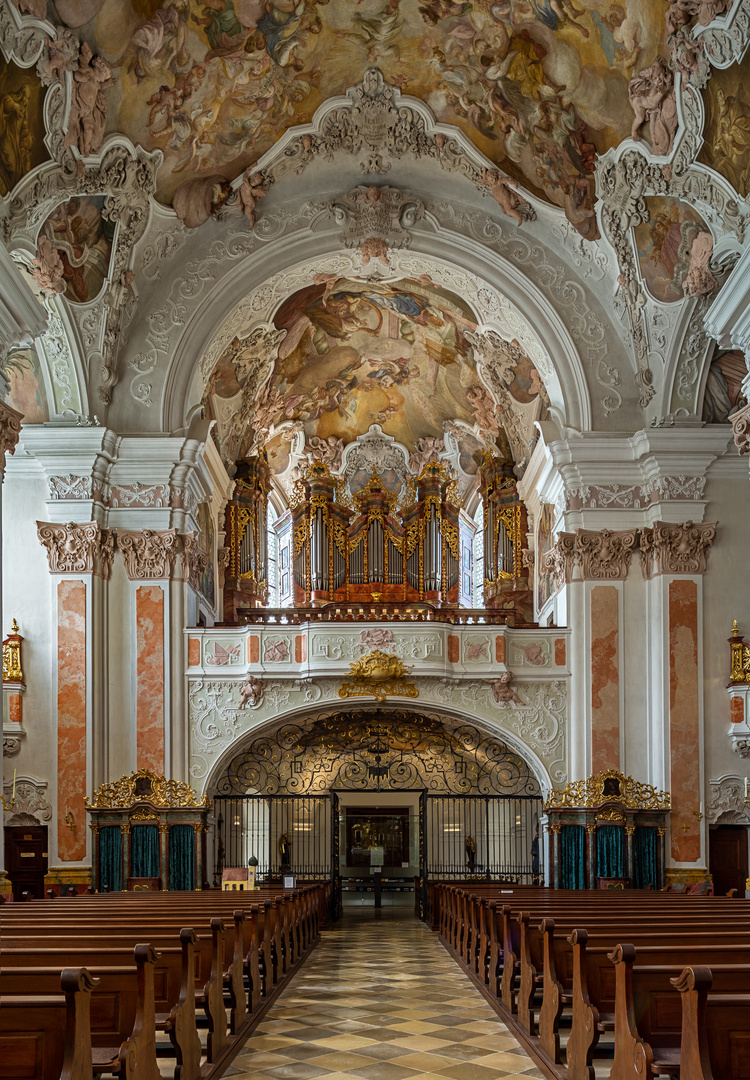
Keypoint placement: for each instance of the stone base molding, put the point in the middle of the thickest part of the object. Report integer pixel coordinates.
(78, 548)
(603, 555)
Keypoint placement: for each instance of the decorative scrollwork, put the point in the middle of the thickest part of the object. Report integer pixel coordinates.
(605, 787)
(144, 786)
(396, 750)
(378, 674)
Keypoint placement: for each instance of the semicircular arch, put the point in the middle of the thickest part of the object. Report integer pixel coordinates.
(480, 737)
(504, 299)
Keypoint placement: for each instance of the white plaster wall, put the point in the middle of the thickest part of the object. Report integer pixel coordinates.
(121, 742)
(726, 596)
(28, 597)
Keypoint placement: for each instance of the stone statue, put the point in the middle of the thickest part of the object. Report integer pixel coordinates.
(507, 197)
(88, 106)
(470, 848)
(699, 280)
(285, 850)
(251, 692)
(502, 691)
(47, 267)
(652, 97)
(249, 192)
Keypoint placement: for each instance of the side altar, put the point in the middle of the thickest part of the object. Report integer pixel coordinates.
(607, 832)
(148, 833)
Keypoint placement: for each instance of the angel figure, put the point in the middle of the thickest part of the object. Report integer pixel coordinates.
(502, 691)
(251, 692)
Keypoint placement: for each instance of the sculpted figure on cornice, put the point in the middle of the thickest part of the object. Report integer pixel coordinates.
(652, 97)
(148, 554)
(78, 548)
(676, 549)
(252, 359)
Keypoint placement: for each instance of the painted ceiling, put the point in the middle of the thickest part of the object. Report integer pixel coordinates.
(540, 86)
(358, 353)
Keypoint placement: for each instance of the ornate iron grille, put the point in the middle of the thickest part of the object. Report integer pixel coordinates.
(286, 834)
(380, 750)
(488, 837)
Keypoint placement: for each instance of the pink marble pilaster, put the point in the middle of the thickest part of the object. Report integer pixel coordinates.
(683, 719)
(253, 649)
(71, 720)
(738, 710)
(605, 679)
(149, 616)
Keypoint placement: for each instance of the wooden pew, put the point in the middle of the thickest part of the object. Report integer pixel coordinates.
(48, 1036)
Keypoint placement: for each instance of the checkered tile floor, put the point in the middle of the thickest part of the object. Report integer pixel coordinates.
(380, 999)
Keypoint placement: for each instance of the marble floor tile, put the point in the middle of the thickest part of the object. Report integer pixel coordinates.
(380, 999)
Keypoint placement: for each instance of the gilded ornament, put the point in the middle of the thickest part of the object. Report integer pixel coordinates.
(606, 787)
(740, 670)
(610, 815)
(145, 786)
(378, 675)
(12, 669)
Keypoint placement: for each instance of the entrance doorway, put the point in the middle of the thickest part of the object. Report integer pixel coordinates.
(727, 860)
(378, 848)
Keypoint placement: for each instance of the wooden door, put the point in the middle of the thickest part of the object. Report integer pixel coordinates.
(26, 859)
(727, 847)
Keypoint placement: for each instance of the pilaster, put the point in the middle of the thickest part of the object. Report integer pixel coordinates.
(80, 560)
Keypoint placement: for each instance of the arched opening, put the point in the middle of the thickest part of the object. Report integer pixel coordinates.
(378, 799)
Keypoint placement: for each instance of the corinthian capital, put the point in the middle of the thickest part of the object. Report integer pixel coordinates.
(194, 560)
(148, 554)
(78, 548)
(741, 429)
(559, 559)
(10, 429)
(605, 555)
(676, 549)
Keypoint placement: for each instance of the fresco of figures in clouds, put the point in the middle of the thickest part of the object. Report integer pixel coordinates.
(539, 85)
(362, 353)
(664, 245)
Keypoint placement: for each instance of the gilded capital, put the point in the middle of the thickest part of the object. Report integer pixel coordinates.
(78, 548)
(10, 430)
(148, 554)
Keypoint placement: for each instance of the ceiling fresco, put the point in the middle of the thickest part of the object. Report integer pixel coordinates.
(358, 354)
(21, 124)
(727, 130)
(540, 86)
(664, 245)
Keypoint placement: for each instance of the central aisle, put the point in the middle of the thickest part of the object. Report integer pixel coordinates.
(380, 999)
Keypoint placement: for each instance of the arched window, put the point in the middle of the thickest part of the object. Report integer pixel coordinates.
(479, 557)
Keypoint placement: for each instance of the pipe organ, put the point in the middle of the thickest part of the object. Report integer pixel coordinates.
(361, 548)
(245, 525)
(505, 527)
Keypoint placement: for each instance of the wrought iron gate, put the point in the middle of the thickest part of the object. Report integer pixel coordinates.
(494, 837)
(285, 833)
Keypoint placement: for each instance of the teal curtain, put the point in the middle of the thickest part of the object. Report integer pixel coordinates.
(610, 851)
(144, 851)
(181, 858)
(110, 857)
(573, 857)
(645, 865)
